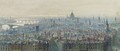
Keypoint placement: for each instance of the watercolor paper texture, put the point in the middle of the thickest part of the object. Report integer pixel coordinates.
(59, 25)
(59, 7)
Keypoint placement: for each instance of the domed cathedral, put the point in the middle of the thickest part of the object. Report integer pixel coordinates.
(72, 16)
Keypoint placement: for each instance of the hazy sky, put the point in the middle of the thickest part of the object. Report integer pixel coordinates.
(59, 7)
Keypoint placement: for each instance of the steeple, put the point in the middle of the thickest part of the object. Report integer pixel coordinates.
(115, 19)
(99, 19)
(107, 26)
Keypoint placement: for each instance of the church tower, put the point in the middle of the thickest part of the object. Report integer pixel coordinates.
(99, 19)
(107, 26)
(115, 20)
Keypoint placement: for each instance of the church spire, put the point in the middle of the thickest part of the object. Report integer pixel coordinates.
(99, 19)
(115, 19)
(107, 26)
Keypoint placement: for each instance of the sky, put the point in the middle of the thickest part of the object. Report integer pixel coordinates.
(54, 8)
